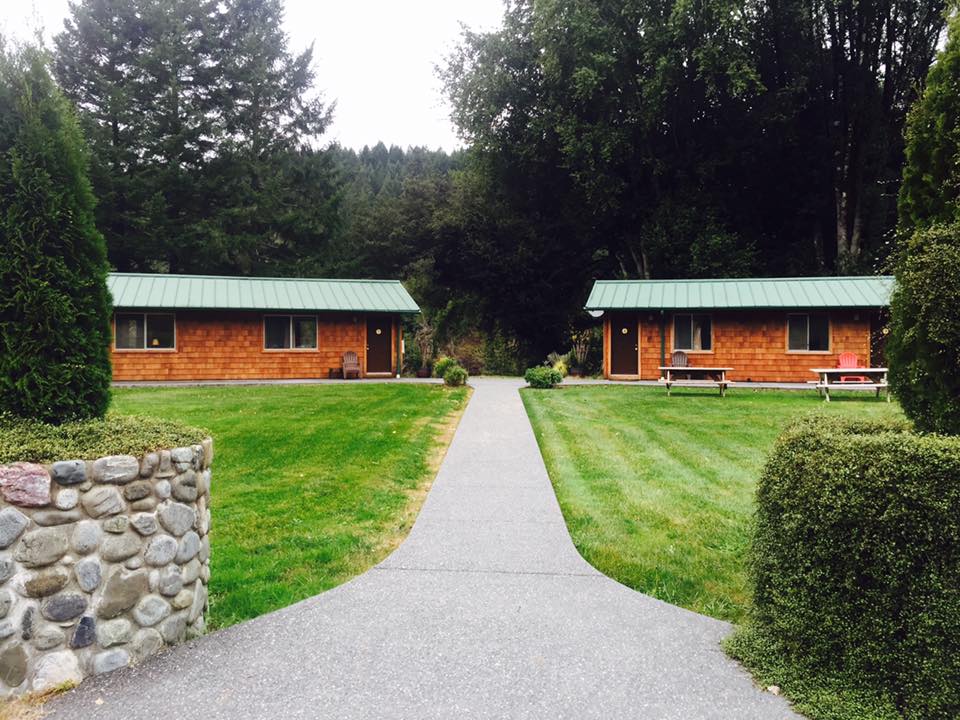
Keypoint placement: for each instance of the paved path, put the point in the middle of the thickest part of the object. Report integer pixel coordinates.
(485, 611)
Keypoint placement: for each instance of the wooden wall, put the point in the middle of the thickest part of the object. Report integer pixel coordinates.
(218, 345)
(754, 343)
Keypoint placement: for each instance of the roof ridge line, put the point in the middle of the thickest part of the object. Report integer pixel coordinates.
(253, 277)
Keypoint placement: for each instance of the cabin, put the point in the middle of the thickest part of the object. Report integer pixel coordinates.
(203, 327)
(766, 330)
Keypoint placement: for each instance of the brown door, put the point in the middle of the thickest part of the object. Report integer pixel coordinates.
(378, 344)
(623, 344)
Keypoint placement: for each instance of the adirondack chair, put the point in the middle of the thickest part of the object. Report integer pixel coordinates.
(850, 360)
(351, 365)
(679, 359)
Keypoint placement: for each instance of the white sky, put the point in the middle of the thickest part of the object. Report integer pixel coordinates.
(376, 58)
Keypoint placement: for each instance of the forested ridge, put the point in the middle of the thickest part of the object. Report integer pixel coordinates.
(603, 138)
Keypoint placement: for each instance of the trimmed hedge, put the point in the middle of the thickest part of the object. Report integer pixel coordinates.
(923, 348)
(856, 557)
(34, 441)
(543, 377)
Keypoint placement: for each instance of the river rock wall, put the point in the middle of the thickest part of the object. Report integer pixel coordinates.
(102, 563)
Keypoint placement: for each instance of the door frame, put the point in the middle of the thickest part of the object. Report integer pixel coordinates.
(393, 342)
(608, 351)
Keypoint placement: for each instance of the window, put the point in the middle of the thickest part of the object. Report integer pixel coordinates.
(692, 332)
(290, 332)
(808, 333)
(145, 331)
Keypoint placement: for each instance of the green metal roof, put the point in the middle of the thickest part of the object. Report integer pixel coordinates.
(215, 292)
(809, 292)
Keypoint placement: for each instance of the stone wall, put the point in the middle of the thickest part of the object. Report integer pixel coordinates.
(102, 563)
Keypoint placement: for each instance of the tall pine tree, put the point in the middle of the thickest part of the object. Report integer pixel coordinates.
(203, 125)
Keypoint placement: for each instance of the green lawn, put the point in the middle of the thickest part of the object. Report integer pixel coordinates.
(312, 484)
(658, 492)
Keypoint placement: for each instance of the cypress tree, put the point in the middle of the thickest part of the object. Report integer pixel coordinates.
(924, 345)
(54, 302)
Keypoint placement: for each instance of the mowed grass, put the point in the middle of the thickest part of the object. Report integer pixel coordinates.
(311, 484)
(658, 492)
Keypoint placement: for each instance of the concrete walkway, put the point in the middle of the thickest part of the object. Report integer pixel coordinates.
(485, 611)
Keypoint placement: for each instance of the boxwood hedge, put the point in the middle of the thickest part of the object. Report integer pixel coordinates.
(856, 557)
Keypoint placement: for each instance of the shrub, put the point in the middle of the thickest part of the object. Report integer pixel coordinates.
(561, 367)
(442, 365)
(35, 441)
(501, 354)
(855, 561)
(923, 348)
(455, 376)
(543, 377)
(54, 304)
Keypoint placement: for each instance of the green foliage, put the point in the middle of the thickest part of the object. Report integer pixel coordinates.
(501, 354)
(854, 558)
(455, 376)
(443, 364)
(54, 304)
(923, 347)
(924, 344)
(40, 442)
(817, 693)
(931, 174)
(649, 139)
(202, 123)
(543, 377)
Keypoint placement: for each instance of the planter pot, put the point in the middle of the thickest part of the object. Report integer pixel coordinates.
(423, 372)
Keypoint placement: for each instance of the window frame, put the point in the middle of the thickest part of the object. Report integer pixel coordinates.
(808, 351)
(290, 317)
(691, 315)
(146, 334)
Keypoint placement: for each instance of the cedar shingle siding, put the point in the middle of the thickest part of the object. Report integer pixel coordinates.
(754, 343)
(228, 345)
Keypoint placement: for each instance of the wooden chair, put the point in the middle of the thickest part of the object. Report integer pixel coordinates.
(850, 360)
(679, 359)
(351, 365)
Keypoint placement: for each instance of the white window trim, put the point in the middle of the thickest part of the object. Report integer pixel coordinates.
(673, 332)
(808, 351)
(145, 348)
(290, 317)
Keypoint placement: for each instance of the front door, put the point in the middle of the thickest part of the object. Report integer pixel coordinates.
(378, 344)
(623, 344)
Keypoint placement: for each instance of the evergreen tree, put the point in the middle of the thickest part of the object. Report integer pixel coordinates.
(54, 303)
(924, 344)
(203, 125)
(931, 174)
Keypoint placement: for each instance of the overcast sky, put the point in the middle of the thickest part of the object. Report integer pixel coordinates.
(376, 58)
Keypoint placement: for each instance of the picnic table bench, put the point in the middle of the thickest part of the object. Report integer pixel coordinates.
(833, 379)
(706, 377)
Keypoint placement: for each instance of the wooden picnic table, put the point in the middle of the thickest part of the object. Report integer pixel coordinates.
(708, 377)
(830, 379)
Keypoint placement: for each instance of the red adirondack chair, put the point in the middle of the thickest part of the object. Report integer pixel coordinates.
(850, 360)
